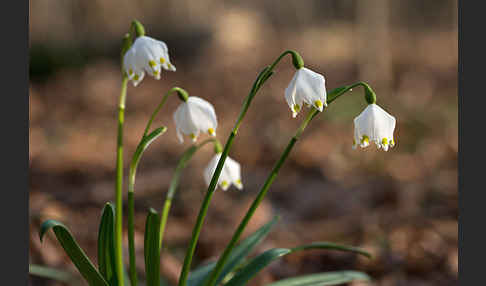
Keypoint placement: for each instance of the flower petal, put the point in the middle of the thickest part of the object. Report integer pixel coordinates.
(183, 120)
(211, 167)
(375, 124)
(311, 88)
(202, 114)
(233, 171)
(290, 96)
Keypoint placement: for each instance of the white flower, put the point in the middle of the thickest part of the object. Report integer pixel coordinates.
(306, 87)
(194, 116)
(230, 174)
(374, 124)
(146, 55)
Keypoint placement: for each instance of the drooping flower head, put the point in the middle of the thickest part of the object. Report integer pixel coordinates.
(193, 116)
(230, 174)
(306, 87)
(146, 55)
(376, 125)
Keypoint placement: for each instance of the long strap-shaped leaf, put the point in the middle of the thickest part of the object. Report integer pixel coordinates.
(262, 260)
(151, 249)
(197, 276)
(52, 273)
(323, 279)
(106, 245)
(236, 257)
(77, 255)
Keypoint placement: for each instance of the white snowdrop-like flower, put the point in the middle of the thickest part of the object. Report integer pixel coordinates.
(146, 55)
(306, 87)
(230, 174)
(194, 116)
(374, 124)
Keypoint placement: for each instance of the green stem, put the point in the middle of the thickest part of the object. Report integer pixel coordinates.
(236, 236)
(131, 183)
(175, 182)
(178, 91)
(119, 184)
(262, 77)
(335, 93)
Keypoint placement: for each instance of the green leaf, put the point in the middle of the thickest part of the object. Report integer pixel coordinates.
(106, 245)
(164, 281)
(77, 255)
(262, 260)
(51, 273)
(237, 255)
(333, 246)
(323, 279)
(245, 247)
(151, 249)
(197, 276)
(256, 265)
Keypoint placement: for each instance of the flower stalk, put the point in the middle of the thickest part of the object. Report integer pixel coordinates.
(186, 156)
(119, 183)
(261, 79)
(126, 44)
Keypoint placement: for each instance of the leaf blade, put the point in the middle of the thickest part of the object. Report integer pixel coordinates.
(239, 253)
(197, 276)
(151, 249)
(261, 261)
(75, 253)
(323, 279)
(51, 273)
(106, 245)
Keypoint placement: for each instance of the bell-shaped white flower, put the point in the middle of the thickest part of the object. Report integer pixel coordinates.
(146, 55)
(194, 116)
(230, 174)
(374, 124)
(306, 87)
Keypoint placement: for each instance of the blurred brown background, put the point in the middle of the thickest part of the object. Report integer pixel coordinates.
(400, 205)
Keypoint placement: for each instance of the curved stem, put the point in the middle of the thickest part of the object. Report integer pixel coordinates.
(119, 184)
(161, 104)
(131, 186)
(335, 93)
(273, 174)
(174, 183)
(261, 79)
